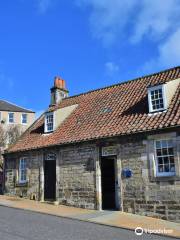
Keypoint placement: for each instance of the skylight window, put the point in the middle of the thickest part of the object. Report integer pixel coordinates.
(156, 97)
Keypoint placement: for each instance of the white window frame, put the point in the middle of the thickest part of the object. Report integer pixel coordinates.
(22, 169)
(45, 124)
(22, 118)
(9, 117)
(163, 174)
(163, 96)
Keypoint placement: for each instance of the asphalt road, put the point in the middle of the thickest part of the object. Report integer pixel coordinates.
(24, 225)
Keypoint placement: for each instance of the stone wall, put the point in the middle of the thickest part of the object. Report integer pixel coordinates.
(77, 176)
(31, 189)
(143, 193)
(10, 176)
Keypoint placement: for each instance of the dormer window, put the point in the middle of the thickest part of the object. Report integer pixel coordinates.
(49, 122)
(156, 98)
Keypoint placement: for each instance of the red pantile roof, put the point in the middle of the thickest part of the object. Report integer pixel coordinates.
(111, 111)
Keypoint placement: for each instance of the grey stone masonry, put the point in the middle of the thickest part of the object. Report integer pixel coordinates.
(78, 176)
(31, 188)
(75, 175)
(144, 193)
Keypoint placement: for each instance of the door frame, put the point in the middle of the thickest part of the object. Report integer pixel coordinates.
(50, 156)
(114, 158)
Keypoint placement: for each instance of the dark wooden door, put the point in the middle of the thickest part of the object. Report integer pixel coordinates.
(108, 183)
(50, 180)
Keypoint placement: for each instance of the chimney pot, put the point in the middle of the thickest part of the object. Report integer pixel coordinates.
(59, 83)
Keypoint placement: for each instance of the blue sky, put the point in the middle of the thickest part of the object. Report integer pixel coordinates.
(89, 43)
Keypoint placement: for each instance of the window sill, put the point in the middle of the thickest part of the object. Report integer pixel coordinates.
(152, 113)
(165, 179)
(47, 133)
(23, 184)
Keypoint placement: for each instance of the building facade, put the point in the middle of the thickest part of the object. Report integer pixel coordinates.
(14, 120)
(112, 148)
(11, 114)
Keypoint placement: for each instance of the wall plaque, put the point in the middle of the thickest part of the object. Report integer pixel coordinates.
(50, 156)
(109, 151)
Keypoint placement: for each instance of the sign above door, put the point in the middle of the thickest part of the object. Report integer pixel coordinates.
(109, 151)
(50, 156)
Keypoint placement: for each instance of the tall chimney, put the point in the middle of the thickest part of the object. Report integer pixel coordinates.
(58, 91)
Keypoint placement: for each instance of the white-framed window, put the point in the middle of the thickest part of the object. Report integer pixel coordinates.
(11, 117)
(157, 98)
(24, 118)
(49, 122)
(164, 154)
(23, 170)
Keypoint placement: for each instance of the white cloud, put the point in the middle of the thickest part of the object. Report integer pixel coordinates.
(168, 53)
(156, 19)
(170, 50)
(44, 5)
(111, 68)
(109, 20)
(108, 17)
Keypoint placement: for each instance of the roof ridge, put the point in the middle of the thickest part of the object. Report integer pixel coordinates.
(121, 83)
(17, 105)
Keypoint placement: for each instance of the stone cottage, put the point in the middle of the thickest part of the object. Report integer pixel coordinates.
(117, 147)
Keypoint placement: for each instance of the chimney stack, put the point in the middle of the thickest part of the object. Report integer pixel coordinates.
(58, 91)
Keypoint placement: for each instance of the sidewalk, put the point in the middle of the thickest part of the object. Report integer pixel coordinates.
(110, 218)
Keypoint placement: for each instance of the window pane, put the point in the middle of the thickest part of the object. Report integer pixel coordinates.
(157, 99)
(171, 159)
(164, 143)
(170, 151)
(170, 143)
(166, 160)
(158, 152)
(49, 122)
(160, 160)
(160, 168)
(165, 156)
(24, 118)
(158, 144)
(11, 117)
(172, 168)
(164, 151)
(22, 169)
(166, 168)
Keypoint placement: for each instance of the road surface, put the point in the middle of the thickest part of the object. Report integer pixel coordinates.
(25, 225)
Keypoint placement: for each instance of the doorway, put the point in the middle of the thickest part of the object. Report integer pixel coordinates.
(108, 183)
(50, 180)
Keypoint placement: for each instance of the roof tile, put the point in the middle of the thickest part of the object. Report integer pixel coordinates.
(112, 111)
